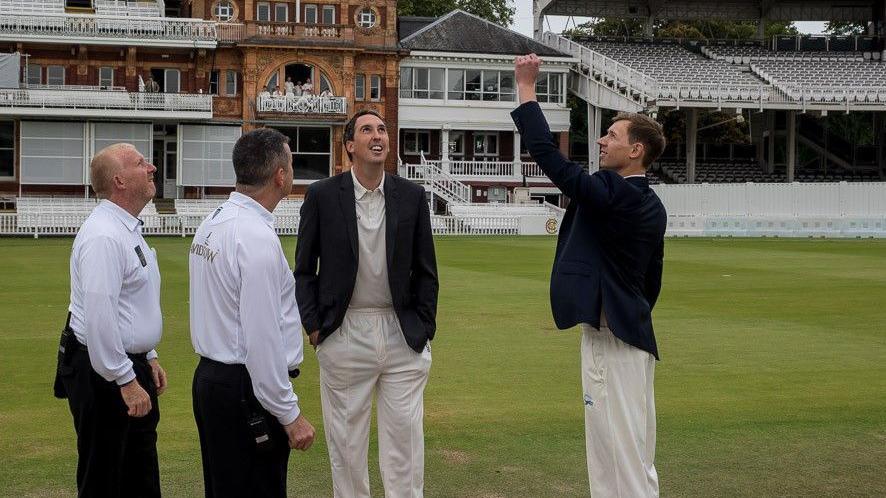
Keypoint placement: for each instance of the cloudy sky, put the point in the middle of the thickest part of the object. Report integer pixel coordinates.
(523, 21)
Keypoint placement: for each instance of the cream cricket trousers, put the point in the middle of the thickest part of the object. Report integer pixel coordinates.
(367, 354)
(619, 407)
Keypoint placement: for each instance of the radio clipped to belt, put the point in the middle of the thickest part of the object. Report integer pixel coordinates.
(258, 425)
(67, 346)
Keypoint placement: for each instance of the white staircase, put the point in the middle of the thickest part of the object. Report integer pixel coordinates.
(602, 81)
(436, 181)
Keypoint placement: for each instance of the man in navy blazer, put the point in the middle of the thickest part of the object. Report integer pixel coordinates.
(606, 278)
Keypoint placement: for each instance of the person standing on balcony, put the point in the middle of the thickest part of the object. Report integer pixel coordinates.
(607, 277)
(289, 86)
(245, 326)
(152, 86)
(277, 91)
(308, 87)
(297, 89)
(108, 368)
(366, 284)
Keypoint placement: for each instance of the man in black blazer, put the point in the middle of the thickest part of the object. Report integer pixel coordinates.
(366, 286)
(607, 277)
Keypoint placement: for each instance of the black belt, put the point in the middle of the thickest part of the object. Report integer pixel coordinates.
(232, 368)
(80, 347)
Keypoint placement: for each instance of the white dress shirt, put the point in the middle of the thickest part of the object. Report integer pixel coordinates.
(115, 292)
(243, 308)
(371, 289)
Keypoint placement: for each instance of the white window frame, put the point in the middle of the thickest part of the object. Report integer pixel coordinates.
(416, 134)
(11, 147)
(34, 76)
(499, 96)
(223, 11)
(166, 79)
(294, 148)
(50, 78)
(215, 75)
(266, 6)
(105, 82)
(230, 89)
(310, 11)
(360, 87)
(277, 7)
(427, 90)
(487, 154)
(327, 8)
(375, 87)
(458, 138)
(553, 97)
(367, 18)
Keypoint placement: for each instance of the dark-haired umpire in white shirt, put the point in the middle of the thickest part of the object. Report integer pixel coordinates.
(111, 376)
(245, 325)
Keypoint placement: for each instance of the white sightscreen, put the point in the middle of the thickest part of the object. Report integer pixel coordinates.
(137, 134)
(52, 152)
(205, 157)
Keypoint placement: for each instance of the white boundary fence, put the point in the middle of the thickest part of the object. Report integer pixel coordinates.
(733, 210)
(776, 209)
(56, 224)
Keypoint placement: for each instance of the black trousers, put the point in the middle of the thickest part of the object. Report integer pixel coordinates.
(117, 454)
(232, 464)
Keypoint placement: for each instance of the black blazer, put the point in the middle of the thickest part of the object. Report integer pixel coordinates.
(327, 235)
(611, 243)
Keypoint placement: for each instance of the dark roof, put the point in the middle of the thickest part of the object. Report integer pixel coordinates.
(459, 31)
(406, 25)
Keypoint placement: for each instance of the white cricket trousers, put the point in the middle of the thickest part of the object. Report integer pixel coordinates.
(617, 380)
(369, 353)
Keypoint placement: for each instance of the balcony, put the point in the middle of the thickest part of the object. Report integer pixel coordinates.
(306, 104)
(108, 30)
(273, 32)
(102, 103)
(498, 171)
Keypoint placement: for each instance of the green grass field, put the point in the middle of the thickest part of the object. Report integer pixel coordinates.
(772, 380)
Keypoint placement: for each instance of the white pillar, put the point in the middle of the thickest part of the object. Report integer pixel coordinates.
(770, 153)
(518, 162)
(297, 10)
(691, 143)
(792, 145)
(444, 149)
(594, 132)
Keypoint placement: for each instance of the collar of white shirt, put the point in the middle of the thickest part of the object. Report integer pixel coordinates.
(247, 202)
(360, 190)
(129, 221)
(635, 176)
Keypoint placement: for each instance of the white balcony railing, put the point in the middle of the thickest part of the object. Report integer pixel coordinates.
(305, 104)
(132, 30)
(80, 99)
(505, 171)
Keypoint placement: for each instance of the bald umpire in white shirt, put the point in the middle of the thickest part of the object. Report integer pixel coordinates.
(246, 328)
(108, 368)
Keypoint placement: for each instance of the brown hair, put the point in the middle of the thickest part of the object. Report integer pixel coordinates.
(647, 131)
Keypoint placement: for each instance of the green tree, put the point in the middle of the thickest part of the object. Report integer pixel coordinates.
(498, 11)
(845, 28)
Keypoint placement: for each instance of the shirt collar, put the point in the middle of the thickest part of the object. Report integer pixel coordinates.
(129, 221)
(634, 176)
(360, 190)
(247, 202)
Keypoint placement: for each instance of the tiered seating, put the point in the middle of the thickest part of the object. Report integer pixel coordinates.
(837, 176)
(63, 211)
(721, 172)
(826, 81)
(672, 63)
(200, 208)
(746, 54)
(32, 6)
(143, 8)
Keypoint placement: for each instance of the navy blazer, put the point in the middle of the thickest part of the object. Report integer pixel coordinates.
(611, 244)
